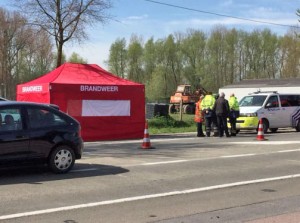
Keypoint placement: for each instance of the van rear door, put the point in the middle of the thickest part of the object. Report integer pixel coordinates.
(290, 105)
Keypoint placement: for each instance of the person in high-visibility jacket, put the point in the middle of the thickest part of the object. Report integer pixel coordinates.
(199, 117)
(207, 105)
(234, 113)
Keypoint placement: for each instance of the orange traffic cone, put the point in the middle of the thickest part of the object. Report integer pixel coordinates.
(260, 132)
(146, 141)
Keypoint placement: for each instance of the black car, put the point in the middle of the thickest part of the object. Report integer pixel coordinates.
(32, 132)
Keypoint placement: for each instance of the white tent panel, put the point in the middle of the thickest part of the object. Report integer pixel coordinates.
(93, 108)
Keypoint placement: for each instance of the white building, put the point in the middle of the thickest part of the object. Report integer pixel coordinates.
(245, 87)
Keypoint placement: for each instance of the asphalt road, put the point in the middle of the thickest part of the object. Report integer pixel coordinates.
(183, 179)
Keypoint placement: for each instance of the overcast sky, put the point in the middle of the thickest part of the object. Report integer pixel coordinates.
(149, 19)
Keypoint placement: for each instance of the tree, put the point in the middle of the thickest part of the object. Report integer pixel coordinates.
(134, 58)
(155, 88)
(172, 65)
(216, 58)
(150, 58)
(193, 50)
(117, 58)
(223, 57)
(65, 20)
(298, 14)
(76, 58)
(231, 52)
(20, 50)
(290, 55)
(269, 54)
(165, 67)
(36, 58)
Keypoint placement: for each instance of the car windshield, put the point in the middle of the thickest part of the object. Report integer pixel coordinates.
(253, 100)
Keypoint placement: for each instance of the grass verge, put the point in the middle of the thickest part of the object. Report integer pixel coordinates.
(171, 124)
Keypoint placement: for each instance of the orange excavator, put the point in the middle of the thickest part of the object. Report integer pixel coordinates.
(185, 95)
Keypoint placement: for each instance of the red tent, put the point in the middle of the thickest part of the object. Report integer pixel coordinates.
(108, 107)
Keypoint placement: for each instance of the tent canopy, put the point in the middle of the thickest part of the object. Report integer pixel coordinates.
(71, 73)
(107, 106)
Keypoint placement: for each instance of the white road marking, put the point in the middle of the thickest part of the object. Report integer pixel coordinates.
(268, 142)
(164, 162)
(287, 151)
(191, 137)
(143, 197)
(240, 155)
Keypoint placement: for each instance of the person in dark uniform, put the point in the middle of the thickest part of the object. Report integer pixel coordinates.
(221, 108)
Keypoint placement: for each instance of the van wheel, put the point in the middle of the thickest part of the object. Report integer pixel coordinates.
(265, 125)
(298, 126)
(273, 130)
(61, 159)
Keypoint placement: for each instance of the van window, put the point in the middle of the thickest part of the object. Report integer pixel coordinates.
(253, 100)
(272, 102)
(290, 100)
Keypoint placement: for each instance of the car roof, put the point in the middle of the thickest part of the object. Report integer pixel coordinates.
(271, 93)
(3, 99)
(7, 102)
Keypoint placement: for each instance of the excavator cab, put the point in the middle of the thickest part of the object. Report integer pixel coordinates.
(185, 95)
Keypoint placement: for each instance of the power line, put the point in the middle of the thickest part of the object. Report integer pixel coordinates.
(222, 15)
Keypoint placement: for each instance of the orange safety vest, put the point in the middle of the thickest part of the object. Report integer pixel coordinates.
(198, 112)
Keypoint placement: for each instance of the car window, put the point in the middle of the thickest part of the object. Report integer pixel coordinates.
(10, 120)
(290, 100)
(41, 118)
(272, 102)
(253, 100)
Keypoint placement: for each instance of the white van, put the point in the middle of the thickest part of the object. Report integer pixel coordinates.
(276, 110)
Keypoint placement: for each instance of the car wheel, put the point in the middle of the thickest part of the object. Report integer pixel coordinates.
(298, 126)
(61, 159)
(273, 130)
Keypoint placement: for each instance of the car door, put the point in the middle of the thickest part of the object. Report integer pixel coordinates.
(45, 131)
(14, 140)
(273, 112)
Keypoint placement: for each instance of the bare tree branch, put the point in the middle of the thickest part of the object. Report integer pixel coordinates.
(65, 20)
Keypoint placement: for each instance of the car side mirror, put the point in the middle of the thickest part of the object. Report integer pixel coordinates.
(269, 105)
